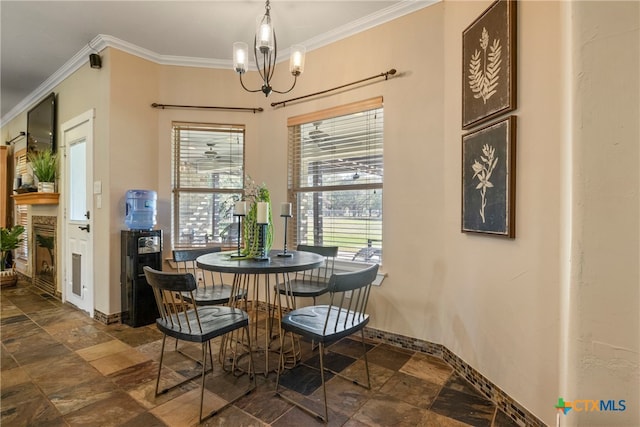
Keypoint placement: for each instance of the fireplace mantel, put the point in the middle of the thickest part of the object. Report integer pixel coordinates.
(36, 198)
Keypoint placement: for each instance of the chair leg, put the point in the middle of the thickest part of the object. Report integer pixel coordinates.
(366, 362)
(204, 369)
(164, 339)
(252, 382)
(324, 387)
(366, 366)
(298, 404)
(313, 342)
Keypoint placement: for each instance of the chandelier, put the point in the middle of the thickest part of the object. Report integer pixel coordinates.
(265, 49)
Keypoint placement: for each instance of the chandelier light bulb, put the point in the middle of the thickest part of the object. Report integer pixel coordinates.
(240, 57)
(296, 63)
(264, 34)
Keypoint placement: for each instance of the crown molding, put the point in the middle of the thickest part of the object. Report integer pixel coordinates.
(380, 17)
(102, 41)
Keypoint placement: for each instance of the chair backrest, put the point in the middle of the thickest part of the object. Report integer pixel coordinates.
(185, 260)
(322, 273)
(169, 290)
(349, 296)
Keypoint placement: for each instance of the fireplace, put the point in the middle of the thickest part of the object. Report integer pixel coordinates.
(44, 252)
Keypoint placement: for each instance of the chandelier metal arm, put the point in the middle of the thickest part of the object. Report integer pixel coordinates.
(247, 89)
(295, 80)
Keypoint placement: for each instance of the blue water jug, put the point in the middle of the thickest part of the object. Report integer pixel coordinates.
(140, 209)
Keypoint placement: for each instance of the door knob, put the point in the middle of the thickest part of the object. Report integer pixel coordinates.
(87, 228)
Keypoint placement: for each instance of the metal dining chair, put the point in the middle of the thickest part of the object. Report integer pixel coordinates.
(185, 321)
(344, 315)
(210, 290)
(310, 283)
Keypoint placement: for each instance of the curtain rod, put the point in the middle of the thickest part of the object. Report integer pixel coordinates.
(20, 135)
(386, 75)
(204, 107)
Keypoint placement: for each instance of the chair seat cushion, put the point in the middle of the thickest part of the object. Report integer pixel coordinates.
(215, 320)
(212, 295)
(304, 288)
(310, 322)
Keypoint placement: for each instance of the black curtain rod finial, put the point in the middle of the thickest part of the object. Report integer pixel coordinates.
(20, 135)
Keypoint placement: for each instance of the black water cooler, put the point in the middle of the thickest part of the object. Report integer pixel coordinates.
(139, 248)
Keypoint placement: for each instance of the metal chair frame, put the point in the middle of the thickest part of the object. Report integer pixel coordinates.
(344, 315)
(311, 283)
(182, 320)
(211, 289)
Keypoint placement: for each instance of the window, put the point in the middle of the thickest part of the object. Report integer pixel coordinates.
(208, 176)
(22, 211)
(335, 179)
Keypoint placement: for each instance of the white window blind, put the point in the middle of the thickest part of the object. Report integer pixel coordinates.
(207, 177)
(22, 211)
(335, 179)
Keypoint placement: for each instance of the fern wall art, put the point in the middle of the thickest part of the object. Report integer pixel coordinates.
(489, 74)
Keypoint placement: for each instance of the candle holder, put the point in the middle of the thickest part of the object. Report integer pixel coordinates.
(284, 253)
(262, 252)
(238, 255)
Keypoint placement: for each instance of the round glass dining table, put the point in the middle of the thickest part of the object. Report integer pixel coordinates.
(253, 278)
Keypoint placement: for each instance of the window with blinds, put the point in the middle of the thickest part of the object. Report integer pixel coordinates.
(207, 177)
(335, 179)
(22, 211)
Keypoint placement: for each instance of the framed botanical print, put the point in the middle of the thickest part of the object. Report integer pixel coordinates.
(489, 64)
(488, 179)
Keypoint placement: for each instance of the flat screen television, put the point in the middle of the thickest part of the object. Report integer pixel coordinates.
(41, 125)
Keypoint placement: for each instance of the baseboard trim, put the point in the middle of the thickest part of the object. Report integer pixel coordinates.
(106, 319)
(506, 403)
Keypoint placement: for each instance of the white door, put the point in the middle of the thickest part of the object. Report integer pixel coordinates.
(77, 138)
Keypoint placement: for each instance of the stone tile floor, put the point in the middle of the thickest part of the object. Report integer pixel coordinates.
(61, 368)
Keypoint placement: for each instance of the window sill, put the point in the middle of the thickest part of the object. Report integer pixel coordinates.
(349, 266)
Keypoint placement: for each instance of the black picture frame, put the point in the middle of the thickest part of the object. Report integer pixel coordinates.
(488, 179)
(489, 64)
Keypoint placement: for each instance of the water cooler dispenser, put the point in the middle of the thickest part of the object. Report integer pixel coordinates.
(140, 246)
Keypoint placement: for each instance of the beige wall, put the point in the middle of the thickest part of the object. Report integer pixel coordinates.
(603, 354)
(552, 313)
(84, 90)
(500, 297)
(132, 158)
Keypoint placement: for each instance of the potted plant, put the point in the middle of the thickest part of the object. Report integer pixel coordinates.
(45, 167)
(10, 239)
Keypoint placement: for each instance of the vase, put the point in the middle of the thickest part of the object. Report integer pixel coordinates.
(46, 187)
(256, 245)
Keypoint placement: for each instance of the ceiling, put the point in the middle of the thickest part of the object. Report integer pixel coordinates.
(42, 41)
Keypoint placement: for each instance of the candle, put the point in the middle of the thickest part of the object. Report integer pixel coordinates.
(240, 208)
(262, 213)
(285, 209)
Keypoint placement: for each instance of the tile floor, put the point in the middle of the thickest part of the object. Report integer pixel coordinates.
(61, 368)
